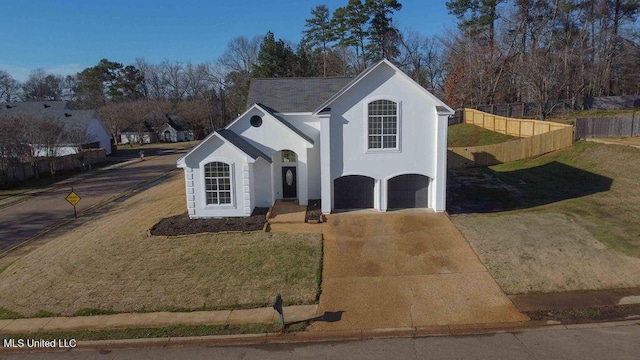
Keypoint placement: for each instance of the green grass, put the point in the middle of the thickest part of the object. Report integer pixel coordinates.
(44, 314)
(471, 135)
(93, 312)
(570, 118)
(2, 269)
(595, 184)
(162, 332)
(8, 314)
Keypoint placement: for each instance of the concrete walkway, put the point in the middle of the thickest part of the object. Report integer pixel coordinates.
(288, 216)
(156, 319)
(405, 269)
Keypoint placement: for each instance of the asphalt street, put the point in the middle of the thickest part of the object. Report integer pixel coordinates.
(585, 344)
(22, 221)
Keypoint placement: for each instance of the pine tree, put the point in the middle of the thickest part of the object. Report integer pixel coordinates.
(383, 36)
(319, 32)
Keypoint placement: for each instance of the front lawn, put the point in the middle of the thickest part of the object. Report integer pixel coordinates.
(110, 264)
(471, 135)
(569, 220)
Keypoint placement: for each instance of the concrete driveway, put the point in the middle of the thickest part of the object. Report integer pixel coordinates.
(410, 268)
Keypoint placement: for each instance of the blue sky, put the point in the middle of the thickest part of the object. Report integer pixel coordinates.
(66, 36)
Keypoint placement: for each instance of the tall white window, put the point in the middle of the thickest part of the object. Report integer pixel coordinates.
(217, 179)
(382, 124)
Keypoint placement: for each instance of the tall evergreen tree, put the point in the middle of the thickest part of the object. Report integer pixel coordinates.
(319, 32)
(275, 59)
(356, 18)
(383, 36)
(476, 16)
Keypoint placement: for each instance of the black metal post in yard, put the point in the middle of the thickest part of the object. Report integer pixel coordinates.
(636, 106)
(277, 306)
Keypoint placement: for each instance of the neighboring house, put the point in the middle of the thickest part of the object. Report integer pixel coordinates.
(375, 141)
(175, 129)
(132, 135)
(87, 121)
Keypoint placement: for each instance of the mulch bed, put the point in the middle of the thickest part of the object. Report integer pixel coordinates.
(182, 225)
(314, 211)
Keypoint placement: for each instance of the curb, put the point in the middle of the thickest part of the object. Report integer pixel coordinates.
(333, 336)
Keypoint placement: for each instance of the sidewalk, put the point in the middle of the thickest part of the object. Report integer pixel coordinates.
(157, 319)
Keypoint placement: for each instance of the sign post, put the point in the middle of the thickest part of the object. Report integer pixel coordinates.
(73, 199)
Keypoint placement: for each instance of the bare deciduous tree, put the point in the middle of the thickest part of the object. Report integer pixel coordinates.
(9, 87)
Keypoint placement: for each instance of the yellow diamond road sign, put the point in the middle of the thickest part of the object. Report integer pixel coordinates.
(73, 198)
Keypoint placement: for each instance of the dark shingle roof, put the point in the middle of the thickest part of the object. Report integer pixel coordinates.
(177, 122)
(294, 94)
(243, 145)
(34, 107)
(55, 110)
(147, 128)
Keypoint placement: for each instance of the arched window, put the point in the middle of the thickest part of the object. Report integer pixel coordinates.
(217, 179)
(288, 156)
(382, 124)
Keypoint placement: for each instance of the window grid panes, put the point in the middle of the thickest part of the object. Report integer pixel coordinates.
(288, 156)
(383, 124)
(217, 179)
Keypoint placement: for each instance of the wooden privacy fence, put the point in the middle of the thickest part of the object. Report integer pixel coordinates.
(536, 138)
(621, 126)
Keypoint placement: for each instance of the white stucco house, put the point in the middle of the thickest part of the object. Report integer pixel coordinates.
(142, 135)
(378, 140)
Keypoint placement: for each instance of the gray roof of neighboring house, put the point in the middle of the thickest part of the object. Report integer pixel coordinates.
(243, 145)
(132, 130)
(34, 107)
(177, 122)
(294, 94)
(56, 110)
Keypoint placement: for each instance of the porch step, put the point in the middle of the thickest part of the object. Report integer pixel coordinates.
(287, 212)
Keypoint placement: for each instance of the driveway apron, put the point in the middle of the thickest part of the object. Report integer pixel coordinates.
(410, 268)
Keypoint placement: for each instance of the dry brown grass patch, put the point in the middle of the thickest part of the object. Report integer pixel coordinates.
(111, 263)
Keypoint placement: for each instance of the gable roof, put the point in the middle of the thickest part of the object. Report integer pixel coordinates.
(234, 139)
(440, 105)
(294, 94)
(243, 145)
(177, 122)
(131, 129)
(276, 115)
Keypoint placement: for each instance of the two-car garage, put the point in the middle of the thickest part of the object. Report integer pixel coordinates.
(403, 191)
